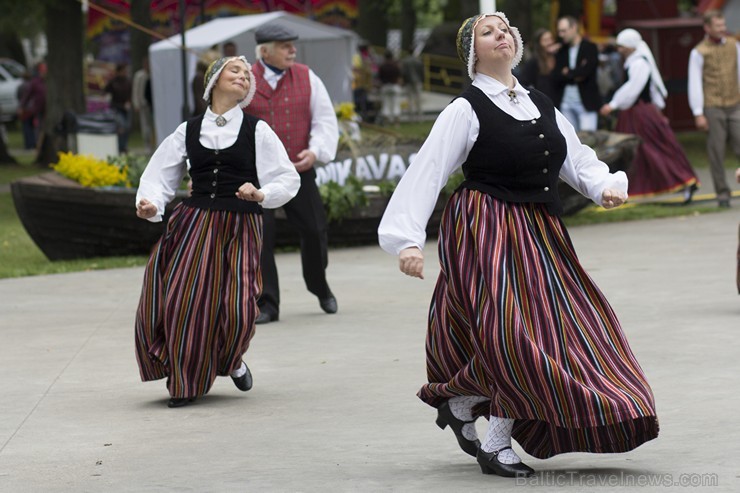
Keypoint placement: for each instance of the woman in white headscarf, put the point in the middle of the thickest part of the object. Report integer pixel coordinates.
(660, 164)
(199, 299)
(517, 330)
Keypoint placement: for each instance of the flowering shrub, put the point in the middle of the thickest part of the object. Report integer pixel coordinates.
(91, 172)
(345, 111)
(134, 164)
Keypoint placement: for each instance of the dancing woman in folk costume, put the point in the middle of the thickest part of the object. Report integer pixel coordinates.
(199, 299)
(518, 332)
(660, 164)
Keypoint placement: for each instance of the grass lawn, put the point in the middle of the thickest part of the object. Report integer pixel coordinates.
(21, 257)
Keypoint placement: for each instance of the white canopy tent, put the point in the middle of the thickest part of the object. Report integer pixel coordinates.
(327, 50)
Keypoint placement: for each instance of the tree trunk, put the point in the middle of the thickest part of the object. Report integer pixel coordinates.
(140, 41)
(372, 21)
(65, 75)
(408, 25)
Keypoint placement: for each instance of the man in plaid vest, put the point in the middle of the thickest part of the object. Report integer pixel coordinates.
(294, 102)
(714, 96)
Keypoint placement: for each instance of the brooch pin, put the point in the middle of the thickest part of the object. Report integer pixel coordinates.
(512, 97)
(220, 121)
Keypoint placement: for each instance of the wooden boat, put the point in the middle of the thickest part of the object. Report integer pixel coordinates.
(67, 220)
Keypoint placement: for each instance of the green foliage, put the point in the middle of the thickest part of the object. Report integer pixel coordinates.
(133, 163)
(340, 200)
(25, 18)
(387, 187)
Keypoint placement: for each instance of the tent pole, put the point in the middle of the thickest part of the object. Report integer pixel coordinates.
(185, 108)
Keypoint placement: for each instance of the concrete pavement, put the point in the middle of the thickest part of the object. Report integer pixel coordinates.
(333, 407)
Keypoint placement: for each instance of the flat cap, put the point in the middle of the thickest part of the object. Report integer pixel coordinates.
(274, 32)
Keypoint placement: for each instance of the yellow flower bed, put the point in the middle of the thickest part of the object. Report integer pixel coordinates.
(345, 111)
(89, 171)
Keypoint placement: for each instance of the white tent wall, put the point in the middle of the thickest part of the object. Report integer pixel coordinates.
(325, 49)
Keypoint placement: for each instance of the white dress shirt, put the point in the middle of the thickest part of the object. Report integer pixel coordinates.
(324, 136)
(638, 72)
(696, 82)
(163, 175)
(446, 149)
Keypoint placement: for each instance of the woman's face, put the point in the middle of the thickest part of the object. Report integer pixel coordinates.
(546, 40)
(624, 51)
(494, 44)
(234, 80)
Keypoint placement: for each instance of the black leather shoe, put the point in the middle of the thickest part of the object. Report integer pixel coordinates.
(329, 304)
(179, 402)
(725, 203)
(489, 464)
(445, 417)
(266, 318)
(688, 194)
(244, 382)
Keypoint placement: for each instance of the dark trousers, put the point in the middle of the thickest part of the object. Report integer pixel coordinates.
(306, 213)
(29, 133)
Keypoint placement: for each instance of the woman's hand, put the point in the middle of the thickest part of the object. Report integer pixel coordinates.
(612, 198)
(249, 192)
(411, 262)
(605, 110)
(145, 209)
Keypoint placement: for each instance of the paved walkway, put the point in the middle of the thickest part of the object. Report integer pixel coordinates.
(333, 406)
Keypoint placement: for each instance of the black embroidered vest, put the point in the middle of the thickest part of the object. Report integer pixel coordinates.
(515, 160)
(218, 173)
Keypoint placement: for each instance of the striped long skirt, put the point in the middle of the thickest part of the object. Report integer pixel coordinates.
(516, 318)
(660, 164)
(199, 299)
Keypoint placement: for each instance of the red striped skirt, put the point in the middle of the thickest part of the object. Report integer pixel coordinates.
(516, 318)
(199, 299)
(660, 164)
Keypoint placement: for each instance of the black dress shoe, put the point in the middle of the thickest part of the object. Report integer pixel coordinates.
(266, 318)
(179, 402)
(688, 194)
(725, 203)
(489, 464)
(329, 304)
(445, 417)
(244, 382)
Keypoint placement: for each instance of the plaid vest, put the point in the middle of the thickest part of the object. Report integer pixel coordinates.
(719, 76)
(287, 108)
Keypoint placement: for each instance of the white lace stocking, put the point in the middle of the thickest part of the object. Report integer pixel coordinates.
(498, 437)
(462, 408)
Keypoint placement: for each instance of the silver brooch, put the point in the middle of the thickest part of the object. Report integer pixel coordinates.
(220, 121)
(512, 97)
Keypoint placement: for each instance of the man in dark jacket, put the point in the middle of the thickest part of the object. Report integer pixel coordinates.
(577, 93)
